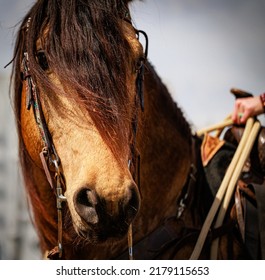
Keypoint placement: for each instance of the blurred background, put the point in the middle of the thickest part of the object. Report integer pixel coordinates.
(200, 48)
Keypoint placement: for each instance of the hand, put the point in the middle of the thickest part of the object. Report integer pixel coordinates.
(246, 108)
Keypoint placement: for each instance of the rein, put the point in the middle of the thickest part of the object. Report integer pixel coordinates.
(49, 156)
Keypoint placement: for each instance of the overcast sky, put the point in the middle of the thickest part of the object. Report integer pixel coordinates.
(200, 48)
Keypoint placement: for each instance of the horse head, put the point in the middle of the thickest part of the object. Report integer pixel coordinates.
(84, 76)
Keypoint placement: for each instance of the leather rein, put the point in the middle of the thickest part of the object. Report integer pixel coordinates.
(49, 157)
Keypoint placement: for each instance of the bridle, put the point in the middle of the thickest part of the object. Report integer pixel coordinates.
(49, 156)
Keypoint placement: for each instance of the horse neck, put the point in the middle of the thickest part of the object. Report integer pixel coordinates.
(165, 147)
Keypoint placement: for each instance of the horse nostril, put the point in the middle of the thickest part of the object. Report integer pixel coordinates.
(85, 203)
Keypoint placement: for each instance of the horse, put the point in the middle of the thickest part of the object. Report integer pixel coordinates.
(105, 152)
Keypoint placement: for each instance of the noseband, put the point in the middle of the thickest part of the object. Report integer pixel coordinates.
(49, 156)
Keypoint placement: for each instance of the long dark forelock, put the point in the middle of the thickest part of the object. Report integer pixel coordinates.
(88, 52)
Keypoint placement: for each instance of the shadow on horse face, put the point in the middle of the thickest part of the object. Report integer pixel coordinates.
(101, 194)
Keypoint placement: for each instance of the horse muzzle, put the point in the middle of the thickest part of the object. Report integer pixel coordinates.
(102, 218)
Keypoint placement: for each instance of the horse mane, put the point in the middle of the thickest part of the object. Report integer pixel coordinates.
(166, 103)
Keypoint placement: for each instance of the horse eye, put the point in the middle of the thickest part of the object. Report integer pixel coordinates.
(42, 60)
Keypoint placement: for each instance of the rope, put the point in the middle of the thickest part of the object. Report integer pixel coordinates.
(220, 125)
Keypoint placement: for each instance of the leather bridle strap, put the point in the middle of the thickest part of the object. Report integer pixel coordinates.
(48, 155)
(134, 162)
(33, 100)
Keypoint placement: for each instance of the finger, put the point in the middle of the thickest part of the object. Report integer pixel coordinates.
(236, 111)
(243, 118)
(247, 114)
